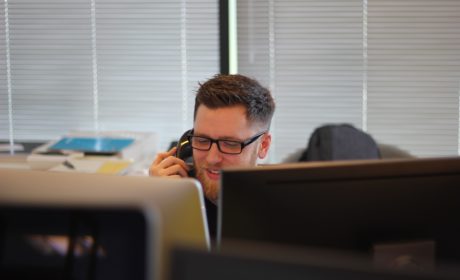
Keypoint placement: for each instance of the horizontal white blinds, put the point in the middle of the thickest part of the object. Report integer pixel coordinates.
(51, 73)
(116, 65)
(4, 112)
(139, 65)
(414, 74)
(316, 63)
(390, 67)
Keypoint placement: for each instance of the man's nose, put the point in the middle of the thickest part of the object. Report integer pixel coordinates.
(214, 155)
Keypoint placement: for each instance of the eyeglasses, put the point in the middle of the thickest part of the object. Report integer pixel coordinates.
(225, 146)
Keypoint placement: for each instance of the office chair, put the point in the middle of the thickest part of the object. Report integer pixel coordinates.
(340, 142)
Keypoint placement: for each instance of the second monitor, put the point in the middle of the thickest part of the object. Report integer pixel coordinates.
(399, 212)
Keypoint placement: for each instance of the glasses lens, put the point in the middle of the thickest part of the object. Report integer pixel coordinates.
(230, 147)
(200, 143)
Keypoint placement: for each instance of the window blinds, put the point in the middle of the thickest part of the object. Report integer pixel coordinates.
(414, 74)
(391, 68)
(315, 60)
(106, 65)
(5, 96)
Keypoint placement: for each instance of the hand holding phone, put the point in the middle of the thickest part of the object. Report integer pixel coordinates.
(177, 162)
(166, 164)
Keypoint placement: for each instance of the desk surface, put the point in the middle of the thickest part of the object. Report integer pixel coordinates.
(92, 164)
(18, 161)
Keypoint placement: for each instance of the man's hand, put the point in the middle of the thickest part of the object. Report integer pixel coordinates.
(166, 164)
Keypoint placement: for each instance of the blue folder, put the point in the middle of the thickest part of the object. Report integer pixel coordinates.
(103, 145)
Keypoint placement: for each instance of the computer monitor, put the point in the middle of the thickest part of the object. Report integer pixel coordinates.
(65, 225)
(400, 213)
(247, 260)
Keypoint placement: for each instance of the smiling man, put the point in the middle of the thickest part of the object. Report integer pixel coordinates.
(232, 118)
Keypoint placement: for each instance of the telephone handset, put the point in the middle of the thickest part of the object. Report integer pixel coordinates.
(184, 151)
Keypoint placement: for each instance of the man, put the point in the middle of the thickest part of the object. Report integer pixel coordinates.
(232, 118)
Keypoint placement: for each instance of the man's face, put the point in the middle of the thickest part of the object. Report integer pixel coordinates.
(230, 124)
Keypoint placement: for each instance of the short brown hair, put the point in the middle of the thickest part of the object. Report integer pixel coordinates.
(232, 90)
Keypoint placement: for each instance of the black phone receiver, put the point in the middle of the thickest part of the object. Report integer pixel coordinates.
(184, 150)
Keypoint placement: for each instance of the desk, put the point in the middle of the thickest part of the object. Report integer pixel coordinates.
(93, 164)
(132, 160)
(18, 161)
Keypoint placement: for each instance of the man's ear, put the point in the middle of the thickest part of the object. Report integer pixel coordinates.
(264, 145)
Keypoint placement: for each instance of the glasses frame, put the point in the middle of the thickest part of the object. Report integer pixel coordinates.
(217, 141)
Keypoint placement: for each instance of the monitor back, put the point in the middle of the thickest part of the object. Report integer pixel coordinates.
(249, 260)
(81, 226)
(396, 211)
(73, 243)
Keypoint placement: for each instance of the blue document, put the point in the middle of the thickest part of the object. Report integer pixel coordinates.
(104, 145)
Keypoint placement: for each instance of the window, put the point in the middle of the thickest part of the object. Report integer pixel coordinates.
(390, 68)
(104, 65)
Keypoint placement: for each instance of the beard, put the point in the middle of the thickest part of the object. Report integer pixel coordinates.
(210, 187)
